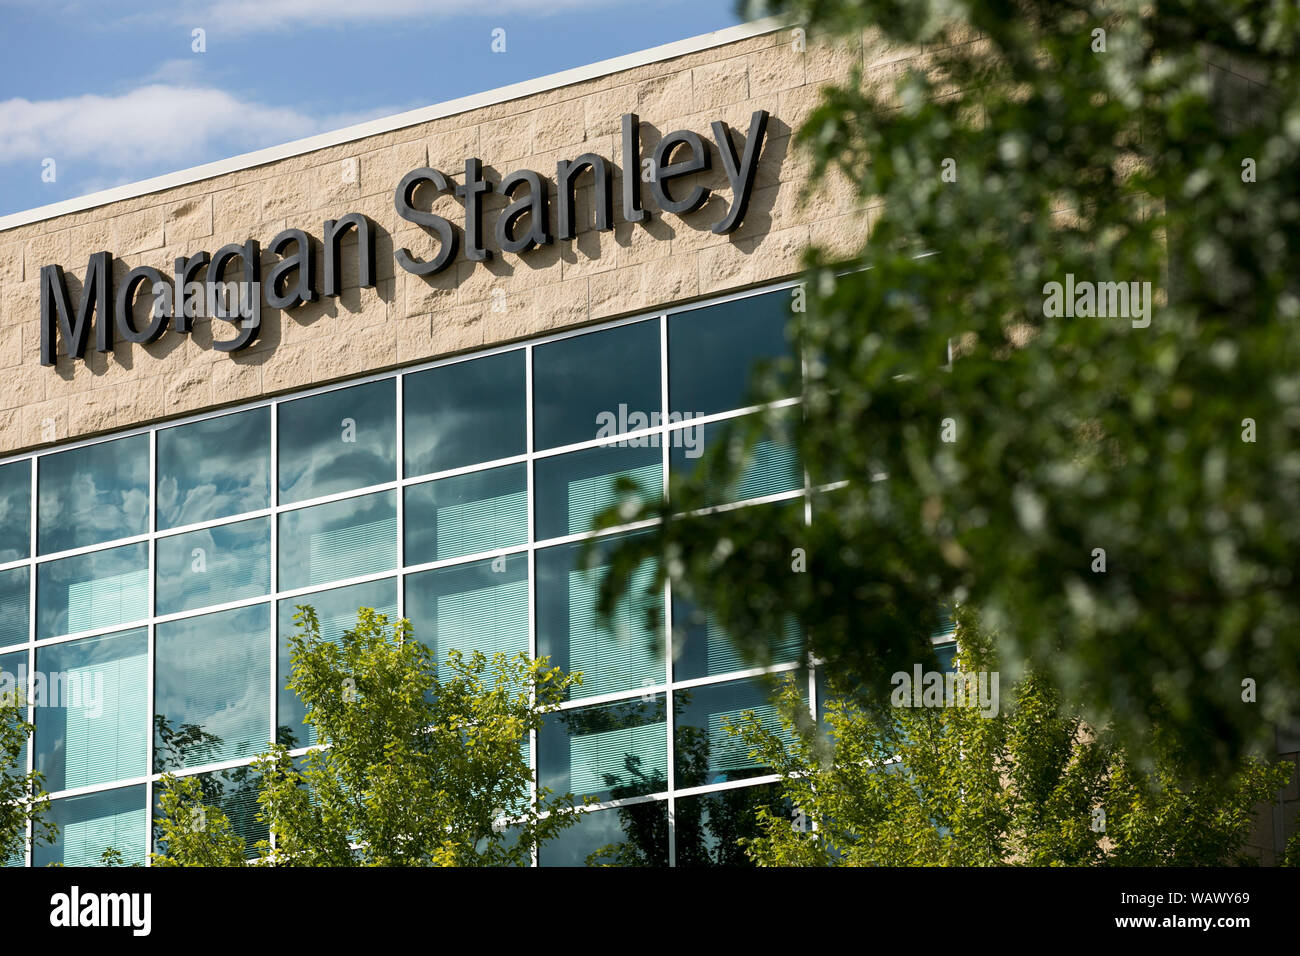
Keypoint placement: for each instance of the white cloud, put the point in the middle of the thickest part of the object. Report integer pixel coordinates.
(154, 123)
(242, 16)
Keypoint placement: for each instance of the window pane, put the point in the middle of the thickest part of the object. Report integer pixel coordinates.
(336, 611)
(234, 792)
(629, 836)
(90, 824)
(701, 648)
(92, 715)
(342, 539)
(622, 657)
(465, 413)
(608, 751)
(15, 511)
(482, 606)
(771, 465)
(89, 591)
(577, 379)
(212, 686)
(212, 566)
(705, 752)
(214, 468)
(338, 441)
(573, 489)
(15, 592)
(715, 352)
(709, 827)
(93, 494)
(467, 514)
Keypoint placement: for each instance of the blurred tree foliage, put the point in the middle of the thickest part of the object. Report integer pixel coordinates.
(1119, 497)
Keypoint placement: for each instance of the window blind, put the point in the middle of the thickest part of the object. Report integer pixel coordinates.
(86, 839)
(592, 756)
(773, 467)
(109, 600)
(491, 620)
(355, 549)
(588, 497)
(473, 526)
(617, 659)
(728, 753)
(105, 724)
(723, 655)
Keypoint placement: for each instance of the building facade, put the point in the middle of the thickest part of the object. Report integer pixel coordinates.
(442, 329)
(452, 330)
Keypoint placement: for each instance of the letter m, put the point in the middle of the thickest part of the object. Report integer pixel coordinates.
(95, 294)
(1115, 295)
(115, 907)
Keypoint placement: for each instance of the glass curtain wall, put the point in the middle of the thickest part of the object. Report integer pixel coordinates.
(149, 581)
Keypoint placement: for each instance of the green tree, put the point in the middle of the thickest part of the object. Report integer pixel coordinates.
(18, 806)
(1119, 495)
(410, 769)
(1031, 784)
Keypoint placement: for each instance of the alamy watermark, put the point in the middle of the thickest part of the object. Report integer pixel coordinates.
(80, 690)
(951, 689)
(1102, 300)
(609, 424)
(216, 300)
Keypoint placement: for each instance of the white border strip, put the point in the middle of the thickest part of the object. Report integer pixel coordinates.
(387, 124)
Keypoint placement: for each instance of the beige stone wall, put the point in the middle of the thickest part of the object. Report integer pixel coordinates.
(408, 319)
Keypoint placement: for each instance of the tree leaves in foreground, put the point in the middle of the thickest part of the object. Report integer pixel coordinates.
(411, 769)
(1118, 494)
(17, 806)
(1030, 785)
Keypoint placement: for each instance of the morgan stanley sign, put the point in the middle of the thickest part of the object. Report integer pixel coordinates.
(293, 280)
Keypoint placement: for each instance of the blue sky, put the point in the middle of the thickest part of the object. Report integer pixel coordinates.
(114, 92)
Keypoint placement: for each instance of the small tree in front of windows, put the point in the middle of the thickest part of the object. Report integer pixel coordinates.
(1030, 785)
(411, 768)
(18, 806)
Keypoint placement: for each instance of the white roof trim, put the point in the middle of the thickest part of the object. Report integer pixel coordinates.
(387, 124)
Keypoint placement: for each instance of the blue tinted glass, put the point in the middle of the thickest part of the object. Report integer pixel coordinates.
(573, 489)
(92, 494)
(338, 441)
(709, 829)
(341, 539)
(628, 836)
(92, 712)
(481, 606)
(769, 466)
(212, 685)
(467, 514)
(336, 612)
(214, 468)
(14, 595)
(606, 751)
(90, 824)
(715, 353)
(15, 511)
(701, 648)
(464, 414)
(89, 591)
(622, 655)
(212, 566)
(582, 383)
(234, 792)
(705, 752)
